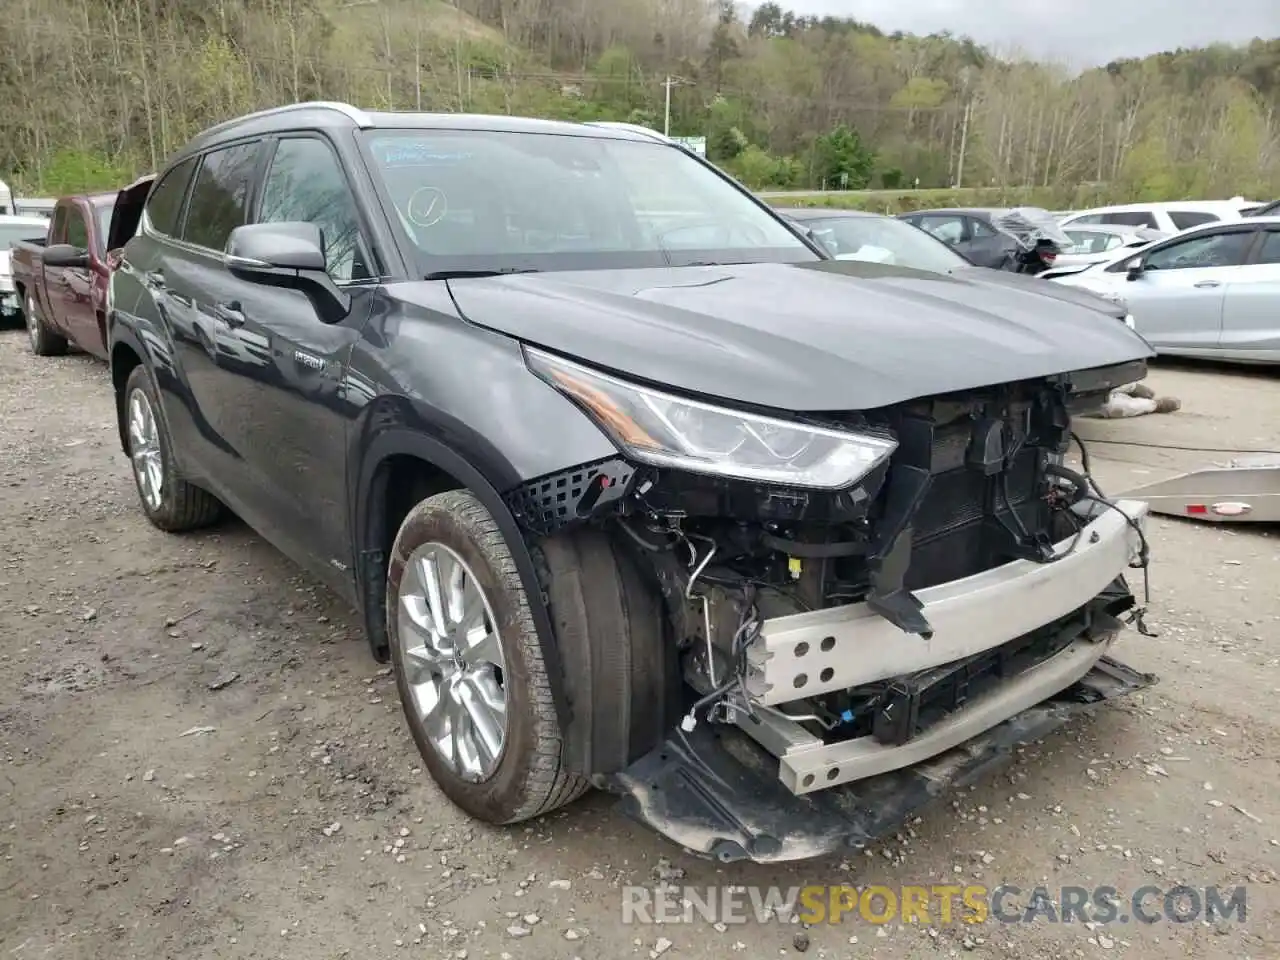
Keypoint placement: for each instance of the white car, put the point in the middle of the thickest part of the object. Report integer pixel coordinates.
(1101, 242)
(1170, 217)
(11, 230)
(1212, 291)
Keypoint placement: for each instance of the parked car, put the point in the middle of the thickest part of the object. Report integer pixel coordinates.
(971, 232)
(1097, 243)
(1168, 217)
(855, 235)
(1265, 210)
(631, 486)
(13, 229)
(1210, 292)
(61, 280)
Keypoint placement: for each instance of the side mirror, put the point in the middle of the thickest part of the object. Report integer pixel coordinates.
(1135, 269)
(65, 255)
(287, 255)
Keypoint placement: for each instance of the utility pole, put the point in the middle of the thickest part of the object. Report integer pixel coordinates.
(666, 123)
(964, 137)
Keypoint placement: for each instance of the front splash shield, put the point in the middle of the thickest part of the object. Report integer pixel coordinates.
(716, 792)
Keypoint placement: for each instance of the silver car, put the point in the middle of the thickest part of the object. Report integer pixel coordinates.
(1211, 291)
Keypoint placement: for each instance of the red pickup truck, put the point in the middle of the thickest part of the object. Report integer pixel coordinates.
(61, 281)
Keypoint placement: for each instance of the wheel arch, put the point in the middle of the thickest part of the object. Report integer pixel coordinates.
(434, 467)
(124, 355)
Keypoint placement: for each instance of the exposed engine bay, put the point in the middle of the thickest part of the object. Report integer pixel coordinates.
(850, 633)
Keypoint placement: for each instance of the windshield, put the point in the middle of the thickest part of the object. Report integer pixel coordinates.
(501, 201)
(11, 233)
(884, 240)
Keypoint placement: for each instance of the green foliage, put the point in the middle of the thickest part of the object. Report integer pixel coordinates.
(72, 171)
(758, 170)
(891, 179)
(841, 161)
(784, 100)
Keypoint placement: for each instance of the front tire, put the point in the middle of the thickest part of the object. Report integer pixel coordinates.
(169, 501)
(469, 667)
(44, 342)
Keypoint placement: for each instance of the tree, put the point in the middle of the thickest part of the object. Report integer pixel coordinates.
(841, 160)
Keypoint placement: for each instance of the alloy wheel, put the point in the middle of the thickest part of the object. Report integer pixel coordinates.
(144, 449)
(453, 661)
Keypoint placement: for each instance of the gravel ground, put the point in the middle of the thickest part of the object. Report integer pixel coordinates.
(200, 759)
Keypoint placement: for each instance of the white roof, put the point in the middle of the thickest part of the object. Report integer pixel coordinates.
(13, 221)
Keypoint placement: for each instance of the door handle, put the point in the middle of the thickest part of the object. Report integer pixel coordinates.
(154, 279)
(1204, 284)
(229, 313)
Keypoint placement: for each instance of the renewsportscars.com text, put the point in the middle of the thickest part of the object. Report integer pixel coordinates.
(931, 904)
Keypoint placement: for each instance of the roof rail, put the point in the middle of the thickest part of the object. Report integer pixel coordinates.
(357, 116)
(632, 127)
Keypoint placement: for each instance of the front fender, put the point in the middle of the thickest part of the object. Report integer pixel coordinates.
(371, 561)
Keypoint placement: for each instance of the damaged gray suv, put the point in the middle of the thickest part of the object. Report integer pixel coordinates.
(633, 485)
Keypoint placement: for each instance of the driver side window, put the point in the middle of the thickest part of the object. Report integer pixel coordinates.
(1213, 250)
(305, 183)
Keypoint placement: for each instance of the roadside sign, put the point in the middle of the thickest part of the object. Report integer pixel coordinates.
(697, 144)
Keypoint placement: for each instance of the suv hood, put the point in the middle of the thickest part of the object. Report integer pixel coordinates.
(826, 336)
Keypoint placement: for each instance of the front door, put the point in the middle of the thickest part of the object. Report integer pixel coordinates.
(1177, 301)
(79, 312)
(282, 367)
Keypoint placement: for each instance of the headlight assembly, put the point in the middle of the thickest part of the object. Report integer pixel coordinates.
(668, 431)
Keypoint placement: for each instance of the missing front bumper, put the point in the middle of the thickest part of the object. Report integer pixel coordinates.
(808, 654)
(716, 792)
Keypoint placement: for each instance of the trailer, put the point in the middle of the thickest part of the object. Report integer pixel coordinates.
(1245, 489)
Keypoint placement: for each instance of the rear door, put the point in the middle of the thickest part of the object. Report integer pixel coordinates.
(1177, 301)
(1251, 312)
(198, 281)
(985, 246)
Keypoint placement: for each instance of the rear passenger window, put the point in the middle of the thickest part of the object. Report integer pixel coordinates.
(1186, 219)
(220, 197)
(980, 230)
(164, 206)
(1270, 252)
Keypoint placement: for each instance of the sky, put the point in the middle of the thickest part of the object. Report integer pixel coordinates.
(1079, 33)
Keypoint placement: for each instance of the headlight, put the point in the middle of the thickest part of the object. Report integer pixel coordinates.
(668, 431)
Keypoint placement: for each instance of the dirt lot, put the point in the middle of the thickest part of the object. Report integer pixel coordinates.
(201, 760)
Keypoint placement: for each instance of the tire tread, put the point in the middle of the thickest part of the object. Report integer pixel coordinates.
(548, 784)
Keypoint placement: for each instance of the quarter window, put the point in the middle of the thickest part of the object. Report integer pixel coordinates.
(305, 183)
(220, 197)
(164, 206)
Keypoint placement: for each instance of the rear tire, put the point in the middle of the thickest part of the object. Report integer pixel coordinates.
(169, 501)
(44, 342)
(449, 548)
